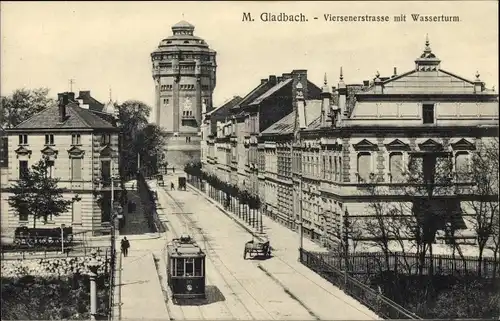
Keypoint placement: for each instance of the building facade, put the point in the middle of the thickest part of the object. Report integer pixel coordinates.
(427, 115)
(83, 149)
(184, 73)
(335, 154)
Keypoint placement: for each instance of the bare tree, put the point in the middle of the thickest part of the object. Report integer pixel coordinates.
(428, 184)
(483, 176)
(386, 226)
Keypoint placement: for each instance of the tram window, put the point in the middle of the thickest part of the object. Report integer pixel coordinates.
(179, 269)
(189, 267)
(198, 267)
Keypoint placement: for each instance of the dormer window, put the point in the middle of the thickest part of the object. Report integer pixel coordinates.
(105, 139)
(49, 139)
(428, 113)
(23, 139)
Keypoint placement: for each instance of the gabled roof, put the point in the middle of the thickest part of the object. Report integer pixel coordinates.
(426, 82)
(285, 125)
(259, 90)
(76, 117)
(271, 91)
(224, 109)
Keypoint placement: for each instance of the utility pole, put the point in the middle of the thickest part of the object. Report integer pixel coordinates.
(71, 82)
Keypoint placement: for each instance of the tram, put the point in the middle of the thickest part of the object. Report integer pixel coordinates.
(186, 268)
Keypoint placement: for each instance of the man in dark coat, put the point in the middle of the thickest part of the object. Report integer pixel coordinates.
(125, 245)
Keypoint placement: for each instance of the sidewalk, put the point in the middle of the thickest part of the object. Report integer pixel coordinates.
(314, 292)
(141, 295)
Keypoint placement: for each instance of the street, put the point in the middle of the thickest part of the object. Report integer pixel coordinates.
(240, 289)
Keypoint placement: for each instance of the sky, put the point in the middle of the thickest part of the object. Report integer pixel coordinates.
(107, 45)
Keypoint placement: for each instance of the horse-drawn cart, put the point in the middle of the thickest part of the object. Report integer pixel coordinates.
(258, 248)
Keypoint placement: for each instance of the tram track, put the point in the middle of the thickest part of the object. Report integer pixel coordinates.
(309, 279)
(227, 313)
(216, 261)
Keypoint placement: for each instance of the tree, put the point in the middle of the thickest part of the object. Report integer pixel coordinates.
(428, 177)
(37, 194)
(22, 104)
(149, 144)
(133, 118)
(483, 178)
(413, 224)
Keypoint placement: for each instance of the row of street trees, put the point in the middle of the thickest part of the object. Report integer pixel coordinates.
(241, 202)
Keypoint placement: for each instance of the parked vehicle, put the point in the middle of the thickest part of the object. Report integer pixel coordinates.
(257, 248)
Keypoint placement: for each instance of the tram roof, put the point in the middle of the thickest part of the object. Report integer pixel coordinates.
(183, 248)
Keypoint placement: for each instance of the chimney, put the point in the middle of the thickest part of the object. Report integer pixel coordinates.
(279, 79)
(287, 76)
(272, 80)
(378, 84)
(63, 101)
(71, 97)
(395, 71)
(84, 94)
(366, 83)
(263, 81)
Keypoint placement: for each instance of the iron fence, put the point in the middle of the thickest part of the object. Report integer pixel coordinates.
(381, 305)
(407, 263)
(38, 253)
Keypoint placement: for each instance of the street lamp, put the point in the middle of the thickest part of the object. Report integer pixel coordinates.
(62, 238)
(93, 266)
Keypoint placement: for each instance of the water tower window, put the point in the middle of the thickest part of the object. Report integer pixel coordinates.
(428, 113)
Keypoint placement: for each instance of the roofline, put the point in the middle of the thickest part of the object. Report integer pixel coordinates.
(281, 83)
(246, 97)
(399, 76)
(224, 104)
(459, 77)
(62, 129)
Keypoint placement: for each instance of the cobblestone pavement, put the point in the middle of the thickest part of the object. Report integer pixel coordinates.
(278, 288)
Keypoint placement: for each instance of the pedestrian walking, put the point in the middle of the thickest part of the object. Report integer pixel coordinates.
(172, 186)
(125, 245)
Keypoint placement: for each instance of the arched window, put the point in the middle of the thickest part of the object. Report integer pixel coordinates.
(396, 167)
(364, 167)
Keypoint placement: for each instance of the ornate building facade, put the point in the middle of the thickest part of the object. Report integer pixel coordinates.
(320, 162)
(184, 73)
